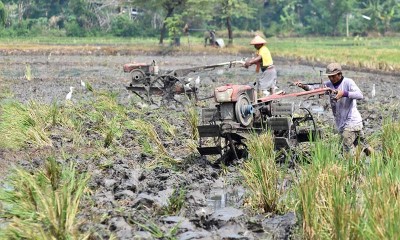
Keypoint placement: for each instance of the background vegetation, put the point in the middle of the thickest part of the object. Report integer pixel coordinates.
(375, 53)
(176, 18)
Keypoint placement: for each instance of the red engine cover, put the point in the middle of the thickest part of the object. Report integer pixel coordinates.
(233, 90)
(132, 66)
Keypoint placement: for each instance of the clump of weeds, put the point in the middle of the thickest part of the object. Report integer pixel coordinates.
(261, 174)
(167, 127)
(351, 196)
(22, 125)
(192, 117)
(147, 130)
(175, 202)
(43, 204)
(156, 231)
(28, 72)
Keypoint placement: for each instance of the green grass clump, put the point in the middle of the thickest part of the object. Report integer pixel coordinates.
(22, 125)
(28, 72)
(5, 91)
(167, 127)
(381, 188)
(175, 202)
(381, 201)
(107, 117)
(262, 175)
(43, 204)
(326, 194)
(354, 197)
(390, 140)
(192, 117)
(157, 232)
(147, 130)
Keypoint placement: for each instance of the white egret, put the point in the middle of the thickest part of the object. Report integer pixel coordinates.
(373, 92)
(187, 86)
(69, 95)
(83, 84)
(220, 71)
(197, 82)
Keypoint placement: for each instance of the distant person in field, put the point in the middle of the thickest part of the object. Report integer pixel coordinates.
(343, 101)
(209, 36)
(263, 60)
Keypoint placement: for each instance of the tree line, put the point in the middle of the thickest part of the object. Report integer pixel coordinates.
(173, 18)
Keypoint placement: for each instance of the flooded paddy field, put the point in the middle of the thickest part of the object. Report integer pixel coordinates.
(124, 192)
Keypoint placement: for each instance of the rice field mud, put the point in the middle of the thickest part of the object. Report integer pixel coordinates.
(126, 195)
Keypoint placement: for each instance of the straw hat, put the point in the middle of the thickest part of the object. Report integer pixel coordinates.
(257, 40)
(333, 69)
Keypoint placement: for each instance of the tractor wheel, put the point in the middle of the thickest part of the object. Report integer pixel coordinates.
(138, 76)
(244, 110)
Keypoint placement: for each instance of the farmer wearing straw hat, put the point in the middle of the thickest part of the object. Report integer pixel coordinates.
(344, 107)
(263, 60)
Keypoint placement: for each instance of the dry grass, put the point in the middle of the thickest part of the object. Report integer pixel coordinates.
(192, 117)
(147, 131)
(373, 53)
(262, 175)
(25, 125)
(351, 198)
(44, 204)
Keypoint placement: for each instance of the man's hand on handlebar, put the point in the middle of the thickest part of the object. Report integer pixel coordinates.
(299, 84)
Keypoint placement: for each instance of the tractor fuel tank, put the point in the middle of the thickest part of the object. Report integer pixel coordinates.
(230, 93)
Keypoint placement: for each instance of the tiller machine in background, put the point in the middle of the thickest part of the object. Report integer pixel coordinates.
(149, 81)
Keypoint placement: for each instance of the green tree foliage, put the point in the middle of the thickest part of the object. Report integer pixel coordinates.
(289, 17)
(382, 13)
(123, 26)
(326, 16)
(3, 15)
(174, 25)
(199, 15)
(81, 16)
(168, 17)
(167, 8)
(226, 10)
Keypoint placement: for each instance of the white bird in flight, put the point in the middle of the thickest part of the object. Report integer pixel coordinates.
(373, 92)
(69, 95)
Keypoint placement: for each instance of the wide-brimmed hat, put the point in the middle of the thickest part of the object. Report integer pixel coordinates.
(258, 40)
(333, 69)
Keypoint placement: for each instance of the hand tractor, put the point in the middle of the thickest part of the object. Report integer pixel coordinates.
(148, 80)
(238, 113)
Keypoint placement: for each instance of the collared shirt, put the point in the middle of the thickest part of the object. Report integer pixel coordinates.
(266, 56)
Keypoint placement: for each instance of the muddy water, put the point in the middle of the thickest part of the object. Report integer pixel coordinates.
(214, 200)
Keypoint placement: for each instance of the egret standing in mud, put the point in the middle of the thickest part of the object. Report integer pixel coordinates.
(197, 82)
(69, 95)
(187, 86)
(83, 84)
(373, 92)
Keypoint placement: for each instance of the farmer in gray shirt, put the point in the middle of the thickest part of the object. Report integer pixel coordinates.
(344, 107)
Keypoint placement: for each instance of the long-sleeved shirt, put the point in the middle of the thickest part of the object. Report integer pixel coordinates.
(345, 109)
